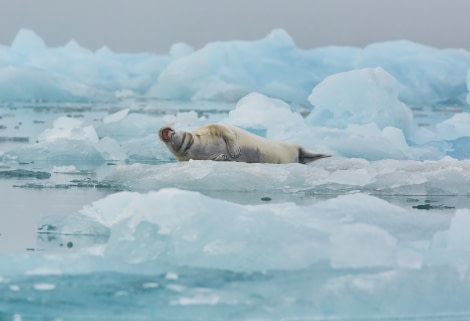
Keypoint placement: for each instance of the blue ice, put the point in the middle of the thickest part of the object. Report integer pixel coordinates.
(378, 230)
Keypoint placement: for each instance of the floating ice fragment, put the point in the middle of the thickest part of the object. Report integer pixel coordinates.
(15, 288)
(61, 152)
(65, 169)
(202, 297)
(68, 128)
(44, 286)
(150, 285)
(171, 276)
(206, 232)
(359, 97)
(256, 111)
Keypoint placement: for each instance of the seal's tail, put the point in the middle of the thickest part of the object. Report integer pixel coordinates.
(306, 156)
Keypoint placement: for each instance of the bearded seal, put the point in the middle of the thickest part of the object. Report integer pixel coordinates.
(222, 142)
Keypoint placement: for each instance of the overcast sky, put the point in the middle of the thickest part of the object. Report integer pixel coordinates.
(153, 25)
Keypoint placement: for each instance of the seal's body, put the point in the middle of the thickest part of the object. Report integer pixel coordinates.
(221, 142)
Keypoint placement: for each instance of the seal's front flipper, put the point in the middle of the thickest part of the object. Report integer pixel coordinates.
(230, 139)
(306, 156)
(233, 148)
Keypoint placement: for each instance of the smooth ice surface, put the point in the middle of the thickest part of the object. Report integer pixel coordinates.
(334, 175)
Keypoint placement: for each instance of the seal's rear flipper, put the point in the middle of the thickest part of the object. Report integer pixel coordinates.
(306, 156)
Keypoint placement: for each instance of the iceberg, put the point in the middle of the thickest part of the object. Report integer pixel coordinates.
(68, 142)
(226, 71)
(257, 112)
(222, 71)
(32, 71)
(209, 233)
(359, 97)
(425, 75)
(323, 130)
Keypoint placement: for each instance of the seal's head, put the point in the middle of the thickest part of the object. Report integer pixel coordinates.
(178, 141)
(165, 133)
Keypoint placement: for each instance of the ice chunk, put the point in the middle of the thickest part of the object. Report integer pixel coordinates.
(359, 97)
(274, 66)
(130, 126)
(453, 135)
(27, 42)
(257, 111)
(424, 74)
(69, 128)
(262, 116)
(455, 127)
(20, 83)
(72, 73)
(186, 120)
(68, 142)
(65, 169)
(116, 116)
(205, 232)
(60, 152)
(110, 149)
(229, 70)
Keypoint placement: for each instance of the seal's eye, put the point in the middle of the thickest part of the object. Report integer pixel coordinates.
(165, 134)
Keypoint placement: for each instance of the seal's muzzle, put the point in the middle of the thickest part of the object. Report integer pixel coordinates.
(165, 134)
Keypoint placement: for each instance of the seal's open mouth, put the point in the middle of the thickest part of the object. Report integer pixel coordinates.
(166, 134)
